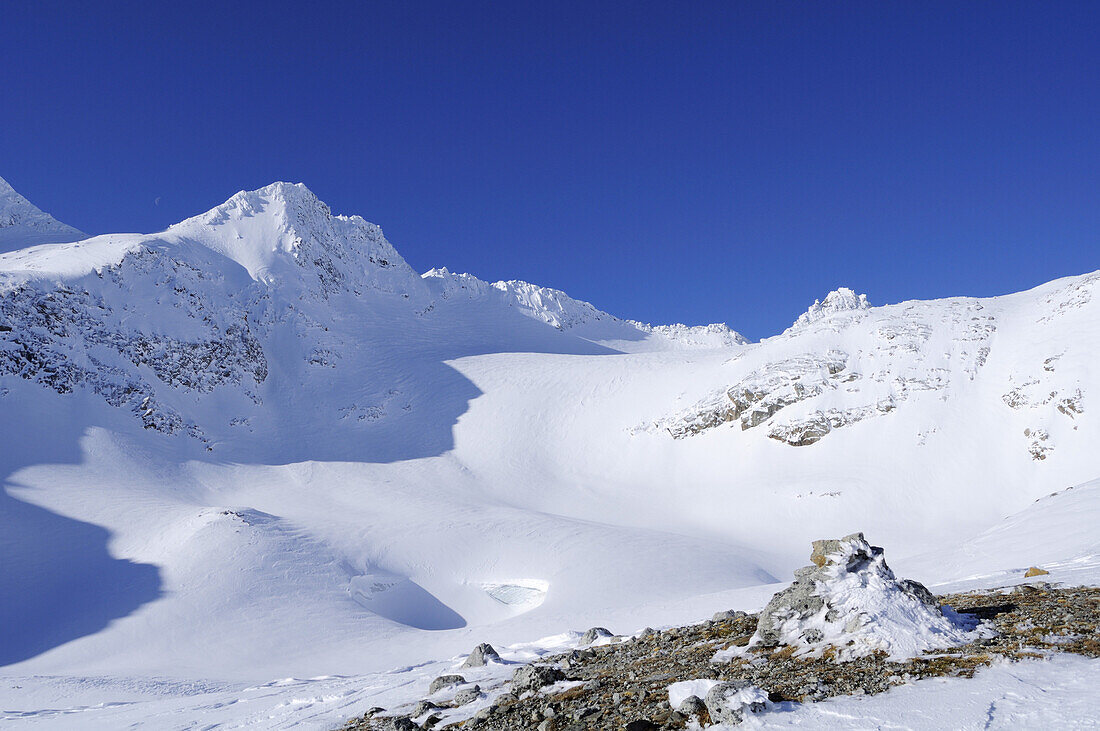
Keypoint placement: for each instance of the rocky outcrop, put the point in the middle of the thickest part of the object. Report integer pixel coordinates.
(842, 300)
(849, 601)
(594, 634)
(482, 654)
(895, 352)
(629, 684)
(764, 392)
(728, 615)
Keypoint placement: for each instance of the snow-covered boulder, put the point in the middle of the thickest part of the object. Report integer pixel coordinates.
(728, 703)
(445, 681)
(850, 600)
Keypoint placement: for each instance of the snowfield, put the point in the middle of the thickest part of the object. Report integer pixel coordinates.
(258, 472)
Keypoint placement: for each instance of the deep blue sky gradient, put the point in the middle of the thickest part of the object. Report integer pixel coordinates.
(688, 162)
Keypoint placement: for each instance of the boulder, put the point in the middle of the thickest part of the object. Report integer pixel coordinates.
(504, 699)
(445, 681)
(423, 707)
(467, 695)
(693, 705)
(729, 702)
(594, 634)
(728, 615)
(482, 654)
(533, 677)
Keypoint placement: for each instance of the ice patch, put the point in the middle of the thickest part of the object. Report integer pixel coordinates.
(522, 594)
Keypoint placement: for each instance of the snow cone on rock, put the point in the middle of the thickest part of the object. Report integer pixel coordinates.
(849, 600)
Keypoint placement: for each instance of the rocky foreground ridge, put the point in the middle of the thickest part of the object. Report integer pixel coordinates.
(846, 626)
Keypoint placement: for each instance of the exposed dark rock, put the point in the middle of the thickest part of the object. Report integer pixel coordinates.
(533, 677)
(483, 653)
(1031, 621)
(594, 634)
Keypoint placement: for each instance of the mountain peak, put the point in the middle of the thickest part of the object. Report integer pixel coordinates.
(23, 224)
(279, 201)
(283, 232)
(841, 299)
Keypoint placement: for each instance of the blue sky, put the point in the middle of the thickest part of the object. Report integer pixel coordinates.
(691, 162)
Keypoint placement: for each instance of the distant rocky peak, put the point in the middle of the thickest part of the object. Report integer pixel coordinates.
(839, 300)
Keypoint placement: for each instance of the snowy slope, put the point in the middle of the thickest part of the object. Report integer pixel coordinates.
(259, 445)
(582, 319)
(22, 224)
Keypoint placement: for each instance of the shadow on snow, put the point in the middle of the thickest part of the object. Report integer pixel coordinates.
(58, 578)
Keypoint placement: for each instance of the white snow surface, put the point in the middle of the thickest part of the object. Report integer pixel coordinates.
(1055, 693)
(681, 691)
(259, 472)
(23, 224)
(582, 319)
(842, 300)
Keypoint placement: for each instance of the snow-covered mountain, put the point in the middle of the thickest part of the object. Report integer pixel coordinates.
(23, 224)
(238, 311)
(259, 444)
(558, 309)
